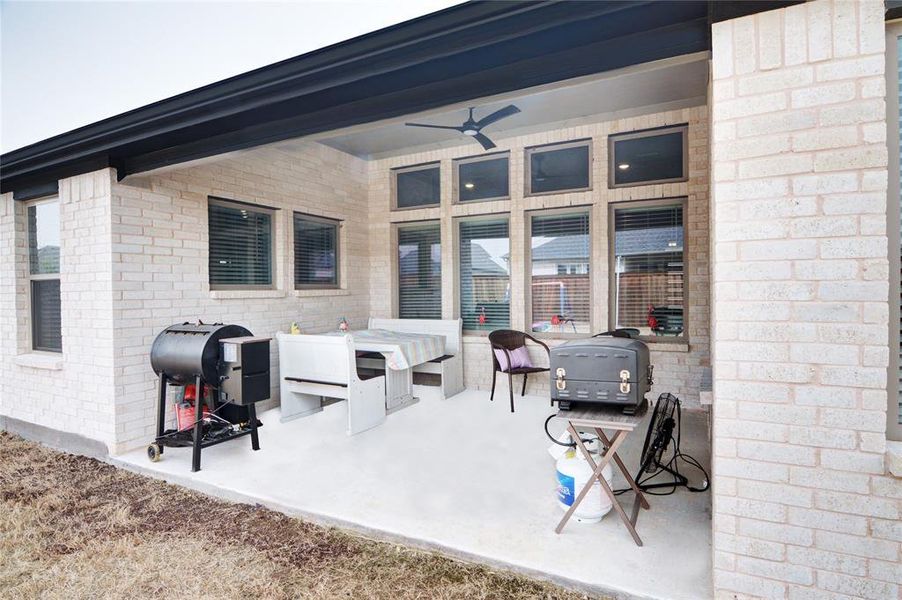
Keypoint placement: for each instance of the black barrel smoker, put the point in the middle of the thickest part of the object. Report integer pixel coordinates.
(225, 359)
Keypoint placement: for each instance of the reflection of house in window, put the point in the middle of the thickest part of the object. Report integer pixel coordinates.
(648, 266)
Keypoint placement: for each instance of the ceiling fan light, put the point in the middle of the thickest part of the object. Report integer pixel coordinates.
(469, 185)
(623, 166)
(470, 132)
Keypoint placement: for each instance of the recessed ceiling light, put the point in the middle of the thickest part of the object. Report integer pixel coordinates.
(623, 166)
(469, 185)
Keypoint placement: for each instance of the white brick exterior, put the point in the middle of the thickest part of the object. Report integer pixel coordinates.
(802, 505)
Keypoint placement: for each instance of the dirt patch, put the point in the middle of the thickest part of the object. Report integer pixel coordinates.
(74, 527)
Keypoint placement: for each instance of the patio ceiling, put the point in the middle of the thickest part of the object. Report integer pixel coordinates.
(674, 83)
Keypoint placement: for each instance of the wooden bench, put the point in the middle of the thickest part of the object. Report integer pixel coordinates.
(313, 367)
(450, 366)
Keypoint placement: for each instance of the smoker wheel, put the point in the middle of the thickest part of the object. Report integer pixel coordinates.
(154, 451)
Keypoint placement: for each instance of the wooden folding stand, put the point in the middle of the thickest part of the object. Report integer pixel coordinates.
(598, 418)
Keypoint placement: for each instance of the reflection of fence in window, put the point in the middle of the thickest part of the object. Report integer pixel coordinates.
(636, 292)
(564, 295)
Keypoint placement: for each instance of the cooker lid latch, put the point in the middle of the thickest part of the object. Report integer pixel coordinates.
(624, 382)
(560, 380)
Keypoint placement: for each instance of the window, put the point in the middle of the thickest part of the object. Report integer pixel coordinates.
(419, 271)
(560, 288)
(484, 259)
(647, 157)
(558, 168)
(647, 275)
(482, 178)
(44, 275)
(315, 252)
(417, 186)
(241, 245)
(894, 228)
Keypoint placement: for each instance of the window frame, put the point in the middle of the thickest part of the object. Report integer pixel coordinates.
(588, 209)
(458, 221)
(238, 204)
(527, 166)
(396, 263)
(435, 164)
(474, 159)
(337, 224)
(612, 258)
(644, 133)
(893, 33)
(32, 277)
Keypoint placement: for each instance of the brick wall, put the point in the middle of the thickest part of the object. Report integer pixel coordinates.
(160, 241)
(678, 368)
(72, 391)
(802, 506)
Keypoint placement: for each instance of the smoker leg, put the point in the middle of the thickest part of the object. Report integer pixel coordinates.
(161, 407)
(523, 391)
(494, 376)
(510, 387)
(252, 415)
(198, 424)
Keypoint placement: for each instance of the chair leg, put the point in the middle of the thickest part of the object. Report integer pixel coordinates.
(523, 391)
(494, 376)
(510, 388)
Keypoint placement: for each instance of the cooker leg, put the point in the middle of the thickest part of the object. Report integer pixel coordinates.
(252, 417)
(198, 424)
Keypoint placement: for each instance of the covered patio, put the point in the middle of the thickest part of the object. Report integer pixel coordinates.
(467, 478)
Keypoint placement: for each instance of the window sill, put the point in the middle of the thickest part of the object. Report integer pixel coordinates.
(245, 294)
(668, 346)
(321, 293)
(894, 458)
(48, 361)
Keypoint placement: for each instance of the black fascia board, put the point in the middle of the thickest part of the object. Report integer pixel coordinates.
(463, 52)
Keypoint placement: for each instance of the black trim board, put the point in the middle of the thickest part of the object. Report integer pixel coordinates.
(464, 52)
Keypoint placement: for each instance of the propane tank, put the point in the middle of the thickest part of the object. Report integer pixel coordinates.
(573, 471)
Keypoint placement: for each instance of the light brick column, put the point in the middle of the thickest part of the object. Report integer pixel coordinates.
(802, 505)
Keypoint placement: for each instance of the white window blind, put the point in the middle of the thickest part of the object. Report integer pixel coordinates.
(560, 287)
(648, 269)
(420, 271)
(485, 274)
(315, 252)
(241, 240)
(44, 275)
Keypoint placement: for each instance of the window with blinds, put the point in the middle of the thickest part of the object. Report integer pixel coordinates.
(484, 263)
(420, 271)
(315, 252)
(44, 275)
(560, 283)
(417, 186)
(648, 268)
(558, 168)
(241, 246)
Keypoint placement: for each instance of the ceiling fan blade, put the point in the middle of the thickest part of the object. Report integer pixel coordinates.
(499, 114)
(433, 126)
(486, 142)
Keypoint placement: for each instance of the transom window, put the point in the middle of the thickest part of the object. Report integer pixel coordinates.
(44, 275)
(558, 168)
(417, 186)
(316, 250)
(648, 157)
(241, 245)
(560, 253)
(648, 274)
(482, 178)
(484, 259)
(420, 271)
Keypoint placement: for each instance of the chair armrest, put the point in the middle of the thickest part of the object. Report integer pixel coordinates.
(542, 344)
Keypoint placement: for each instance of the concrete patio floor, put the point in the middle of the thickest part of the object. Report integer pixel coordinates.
(468, 478)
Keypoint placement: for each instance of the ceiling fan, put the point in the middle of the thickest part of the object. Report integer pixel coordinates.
(473, 128)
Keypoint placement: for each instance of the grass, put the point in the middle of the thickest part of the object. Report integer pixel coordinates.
(74, 527)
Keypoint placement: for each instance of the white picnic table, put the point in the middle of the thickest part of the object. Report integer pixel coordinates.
(402, 352)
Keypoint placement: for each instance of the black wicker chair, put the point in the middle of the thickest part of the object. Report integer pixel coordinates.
(507, 340)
